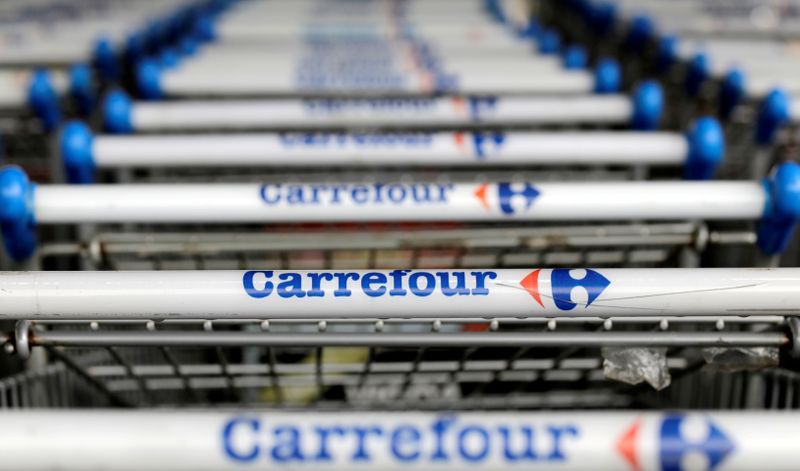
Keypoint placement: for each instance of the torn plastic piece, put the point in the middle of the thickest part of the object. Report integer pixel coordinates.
(740, 358)
(637, 365)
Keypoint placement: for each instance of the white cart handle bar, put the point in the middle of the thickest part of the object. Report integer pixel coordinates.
(218, 441)
(419, 294)
(642, 110)
(700, 151)
(774, 202)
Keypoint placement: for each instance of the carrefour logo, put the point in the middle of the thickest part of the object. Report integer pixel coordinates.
(512, 198)
(563, 284)
(441, 441)
(328, 140)
(356, 193)
(684, 443)
(484, 144)
(402, 283)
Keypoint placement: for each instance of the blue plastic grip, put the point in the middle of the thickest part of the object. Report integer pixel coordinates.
(17, 221)
(731, 92)
(648, 106)
(603, 16)
(117, 112)
(706, 149)
(204, 29)
(81, 88)
(43, 99)
(148, 79)
(696, 74)
(575, 58)
(105, 61)
(773, 114)
(549, 42)
(640, 31)
(782, 209)
(75, 145)
(607, 76)
(667, 53)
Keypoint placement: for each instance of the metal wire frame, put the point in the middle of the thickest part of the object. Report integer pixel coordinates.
(384, 364)
(367, 246)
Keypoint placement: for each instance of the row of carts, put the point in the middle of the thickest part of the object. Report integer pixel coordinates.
(387, 234)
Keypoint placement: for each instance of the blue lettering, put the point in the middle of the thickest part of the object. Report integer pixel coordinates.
(316, 282)
(323, 433)
(480, 282)
(249, 285)
(557, 433)
(406, 443)
(291, 285)
(527, 453)
(397, 282)
(483, 447)
(461, 285)
(287, 444)
(253, 425)
(265, 195)
(413, 283)
(369, 280)
(342, 290)
(361, 440)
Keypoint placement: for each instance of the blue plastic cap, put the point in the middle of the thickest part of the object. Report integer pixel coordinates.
(43, 99)
(667, 53)
(706, 149)
(135, 47)
(17, 221)
(603, 16)
(648, 106)
(76, 152)
(607, 76)
(81, 88)
(731, 92)
(148, 79)
(104, 58)
(782, 209)
(188, 46)
(697, 74)
(117, 113)
(575, 58)
(204, 29)
(640, 31)
(531, 30)
(169, 59)
(549, 42)
(773, 114)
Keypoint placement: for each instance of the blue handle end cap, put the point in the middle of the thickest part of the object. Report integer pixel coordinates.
(706, 149)
(774, 112)
(104, 58)
(75, 145)
(648, 106)
(148, 79)
(782, 209)
(607, 76)
(16, 213)
(117, 112)
(667, 53)
(204, 28)
(43, 99)
(549, 42)
(82, 88)
(575, 58)
(603, 16)
(640, 31)
(697, 74)
(731, 92)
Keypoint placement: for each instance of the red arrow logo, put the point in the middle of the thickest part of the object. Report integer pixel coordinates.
(480, 193)
(626, 446)
(531, 285)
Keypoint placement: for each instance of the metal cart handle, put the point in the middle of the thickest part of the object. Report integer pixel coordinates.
(352, 294)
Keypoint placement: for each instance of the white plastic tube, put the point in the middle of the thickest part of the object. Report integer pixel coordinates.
(234, 440)
(480, 293)
(275, 202)
(394, 149)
